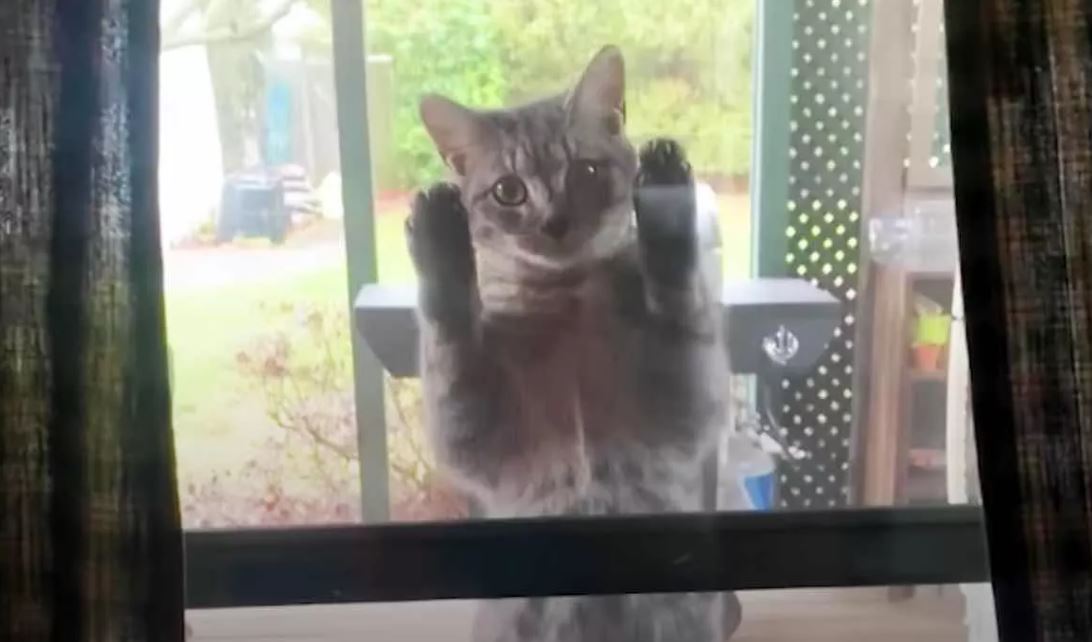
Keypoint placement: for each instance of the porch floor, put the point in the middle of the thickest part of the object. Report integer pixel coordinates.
(825, 615)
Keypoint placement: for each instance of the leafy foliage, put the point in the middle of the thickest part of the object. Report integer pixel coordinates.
(451, 47)
(689, 65)
(689, 69)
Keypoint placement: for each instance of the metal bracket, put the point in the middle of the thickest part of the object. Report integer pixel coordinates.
(782, 346)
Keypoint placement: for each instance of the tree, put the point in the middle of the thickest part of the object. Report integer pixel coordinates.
(451, 47)
(688, 71)
(235, 34)
(174, 36)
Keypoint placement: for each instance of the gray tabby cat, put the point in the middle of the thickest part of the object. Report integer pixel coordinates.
(571, 361)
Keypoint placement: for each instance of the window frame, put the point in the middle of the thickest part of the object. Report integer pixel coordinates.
(358, 206)
(381, 562)
(584, 556)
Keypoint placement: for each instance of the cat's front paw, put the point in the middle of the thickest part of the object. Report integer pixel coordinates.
(665, 205)
(663, 162)
(438, 234)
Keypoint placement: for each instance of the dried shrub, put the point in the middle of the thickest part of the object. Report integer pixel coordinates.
(306, 470)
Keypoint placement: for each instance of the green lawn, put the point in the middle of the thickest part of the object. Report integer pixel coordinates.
(214, 408)
(216, 415)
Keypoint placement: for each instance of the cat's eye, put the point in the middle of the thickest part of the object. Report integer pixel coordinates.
(586, 174)
(510, 191)
(586, 169)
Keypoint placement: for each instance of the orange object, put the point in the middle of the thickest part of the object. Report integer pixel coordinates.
(927, 357)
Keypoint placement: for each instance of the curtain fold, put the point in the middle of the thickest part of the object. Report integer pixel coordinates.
(90, 539)
(1021, 105)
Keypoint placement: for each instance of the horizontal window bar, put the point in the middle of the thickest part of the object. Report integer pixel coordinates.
(582, 556)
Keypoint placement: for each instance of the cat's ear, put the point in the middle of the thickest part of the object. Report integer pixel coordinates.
(600, 94)
(455, 130)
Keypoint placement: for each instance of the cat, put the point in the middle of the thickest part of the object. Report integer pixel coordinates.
(571, 352)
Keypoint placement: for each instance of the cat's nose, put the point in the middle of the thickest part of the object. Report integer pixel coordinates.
(556, 227)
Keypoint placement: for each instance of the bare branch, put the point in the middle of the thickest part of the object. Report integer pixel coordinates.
(174, 22)
(233, 35)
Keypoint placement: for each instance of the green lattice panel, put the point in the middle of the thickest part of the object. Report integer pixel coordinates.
(940, 154)
(828, 101)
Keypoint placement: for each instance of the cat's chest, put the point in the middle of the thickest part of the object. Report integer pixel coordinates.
(570, 380)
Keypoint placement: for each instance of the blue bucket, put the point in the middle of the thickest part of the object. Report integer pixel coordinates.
(760, 490)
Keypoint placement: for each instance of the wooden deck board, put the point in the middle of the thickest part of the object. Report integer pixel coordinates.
(842, 615)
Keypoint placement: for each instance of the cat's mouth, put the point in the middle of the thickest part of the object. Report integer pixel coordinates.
(561, 244)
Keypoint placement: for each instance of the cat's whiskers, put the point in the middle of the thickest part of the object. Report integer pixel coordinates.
(583, 464)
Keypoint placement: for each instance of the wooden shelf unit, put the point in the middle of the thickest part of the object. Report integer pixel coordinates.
(901, 441)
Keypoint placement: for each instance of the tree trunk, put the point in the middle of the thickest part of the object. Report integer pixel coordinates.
(237, 84)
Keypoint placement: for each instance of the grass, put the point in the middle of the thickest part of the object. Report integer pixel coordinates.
(216, 415)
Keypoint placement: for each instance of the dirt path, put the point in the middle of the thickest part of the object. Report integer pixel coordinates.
(202, 268)
(252, 260)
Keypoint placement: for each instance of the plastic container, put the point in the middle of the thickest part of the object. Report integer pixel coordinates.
(755, 469)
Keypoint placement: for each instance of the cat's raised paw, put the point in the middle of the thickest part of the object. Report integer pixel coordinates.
(666, 211)
(663, 162)
(438, 234)
(664, 194)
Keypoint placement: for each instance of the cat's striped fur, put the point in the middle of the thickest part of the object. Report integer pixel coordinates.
(571, 359)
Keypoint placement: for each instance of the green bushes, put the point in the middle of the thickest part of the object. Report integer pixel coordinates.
(689, 66)
(445, 46)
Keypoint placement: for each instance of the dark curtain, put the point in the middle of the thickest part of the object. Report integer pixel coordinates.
(1021, 98)
(90, 540)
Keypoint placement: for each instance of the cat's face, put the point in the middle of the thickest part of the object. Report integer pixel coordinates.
(547, 185)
